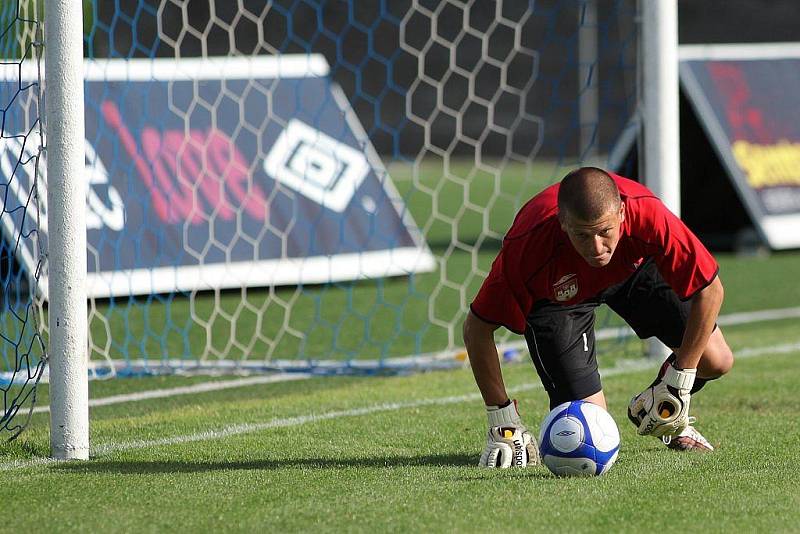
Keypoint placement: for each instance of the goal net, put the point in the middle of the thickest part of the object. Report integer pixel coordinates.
(321, 186)
(22, 346)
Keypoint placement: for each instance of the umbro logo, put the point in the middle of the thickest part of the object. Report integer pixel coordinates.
(565, 433)
(316, 165)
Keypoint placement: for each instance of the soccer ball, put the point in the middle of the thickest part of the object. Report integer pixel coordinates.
(578, 438)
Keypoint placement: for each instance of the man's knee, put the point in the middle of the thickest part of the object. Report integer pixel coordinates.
(717, 359)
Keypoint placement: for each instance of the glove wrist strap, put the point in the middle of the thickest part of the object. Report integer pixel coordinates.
(507, 415)
(680, 379)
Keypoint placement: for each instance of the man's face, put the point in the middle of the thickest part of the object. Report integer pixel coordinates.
(595, 240)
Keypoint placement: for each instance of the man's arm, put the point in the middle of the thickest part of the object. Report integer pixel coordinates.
(508, 442)
(700, 324)
(483, 358)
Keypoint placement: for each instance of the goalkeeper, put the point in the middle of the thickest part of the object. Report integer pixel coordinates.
(597, 238)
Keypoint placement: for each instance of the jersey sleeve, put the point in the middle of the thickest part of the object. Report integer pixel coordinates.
(685, 263)
(498, 303)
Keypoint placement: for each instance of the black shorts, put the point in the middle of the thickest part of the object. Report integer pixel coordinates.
(561, 338)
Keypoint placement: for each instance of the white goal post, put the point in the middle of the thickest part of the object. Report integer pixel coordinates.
(661, 146)
(66, 200)
(660, 94)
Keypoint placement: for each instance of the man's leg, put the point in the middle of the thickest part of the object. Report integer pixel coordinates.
(716, 361)
(562, 346)
(598, 398)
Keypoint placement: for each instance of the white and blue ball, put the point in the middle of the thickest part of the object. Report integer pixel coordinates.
(579, 438)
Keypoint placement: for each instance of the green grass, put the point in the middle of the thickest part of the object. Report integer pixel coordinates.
(413, 468)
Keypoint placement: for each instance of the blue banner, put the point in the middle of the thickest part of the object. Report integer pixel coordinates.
(232, 172)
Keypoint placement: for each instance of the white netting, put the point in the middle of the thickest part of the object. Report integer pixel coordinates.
(225, 130)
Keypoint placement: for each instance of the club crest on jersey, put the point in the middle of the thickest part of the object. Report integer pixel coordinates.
(566, 288)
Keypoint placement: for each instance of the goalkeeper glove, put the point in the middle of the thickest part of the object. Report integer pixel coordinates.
(508, 443)
(663, 408)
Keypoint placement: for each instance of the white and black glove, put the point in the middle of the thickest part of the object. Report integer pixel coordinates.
(663, 408)
(508, 444)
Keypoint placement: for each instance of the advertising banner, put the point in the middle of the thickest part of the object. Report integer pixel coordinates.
(747, 98)
(225, 172)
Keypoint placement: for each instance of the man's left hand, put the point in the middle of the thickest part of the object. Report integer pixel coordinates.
(663, 409)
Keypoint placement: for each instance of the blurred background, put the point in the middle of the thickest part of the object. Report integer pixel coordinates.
(354, 35)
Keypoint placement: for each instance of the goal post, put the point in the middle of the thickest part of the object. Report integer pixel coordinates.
(66, 200)
(660, 95)
(660, 113)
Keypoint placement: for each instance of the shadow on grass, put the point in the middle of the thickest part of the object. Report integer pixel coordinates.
(180, 466)
(527, 473)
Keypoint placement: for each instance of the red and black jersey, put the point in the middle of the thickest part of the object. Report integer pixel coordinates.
(538, 262)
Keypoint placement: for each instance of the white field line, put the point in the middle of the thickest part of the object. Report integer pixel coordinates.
(755, 316)
(723, 320)
(204, 387)
(628, 366)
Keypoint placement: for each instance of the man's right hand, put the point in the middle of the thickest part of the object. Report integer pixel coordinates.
(508, 443)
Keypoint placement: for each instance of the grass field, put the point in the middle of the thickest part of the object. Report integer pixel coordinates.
(398, 454)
